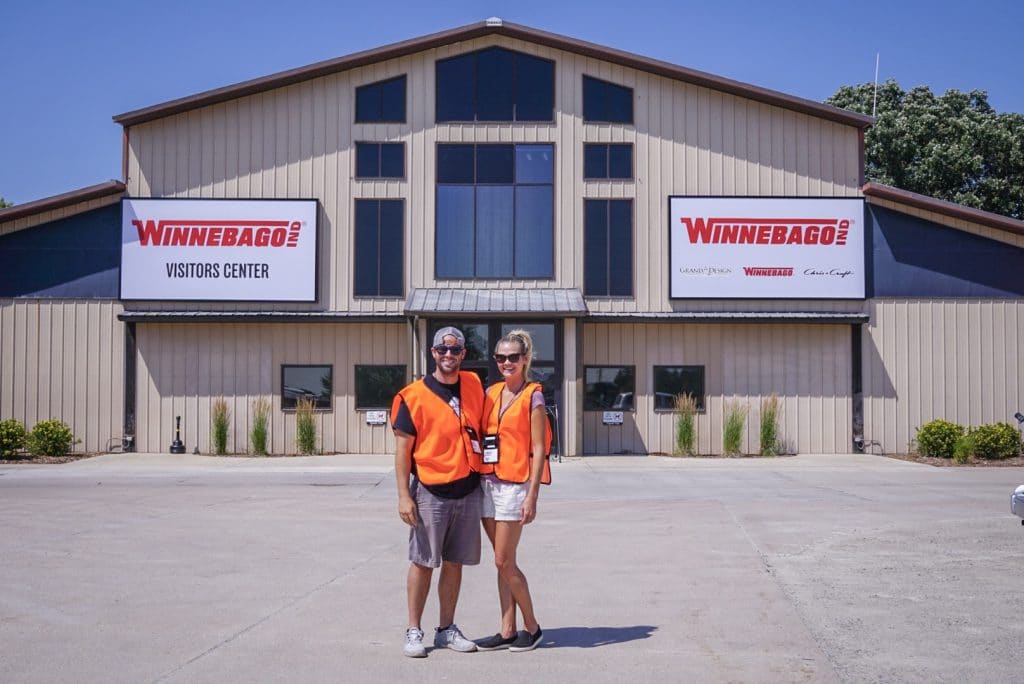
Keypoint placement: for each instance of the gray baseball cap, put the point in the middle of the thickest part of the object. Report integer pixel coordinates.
(449, 331)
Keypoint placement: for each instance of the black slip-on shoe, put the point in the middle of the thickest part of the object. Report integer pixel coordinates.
(495, 642)
(526, 641)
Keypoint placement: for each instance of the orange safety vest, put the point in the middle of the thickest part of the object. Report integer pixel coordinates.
(515, 441)
(442, 452)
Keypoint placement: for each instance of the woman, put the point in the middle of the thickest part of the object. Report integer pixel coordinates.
(517, 440)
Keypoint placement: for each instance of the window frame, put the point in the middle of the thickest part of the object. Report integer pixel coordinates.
(586, 367)
(355, 384)
(632, 102)
(475, 185)
(355, 251)
(380, 156)
(380, 84)
(608, 251)
(701, 399)
(513, 85)
(294, 406)
(608, 162)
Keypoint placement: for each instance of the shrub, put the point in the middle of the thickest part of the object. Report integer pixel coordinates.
(732, 431)
(50, 438)
(220, 417)
(938, 438)
(12, 437)
(770, 409)
(686, 424)
(996, 440)
(305, 426)
(260, 423)
(964, 448)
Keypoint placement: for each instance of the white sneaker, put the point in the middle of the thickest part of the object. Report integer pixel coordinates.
(451, 637)
(414, 643)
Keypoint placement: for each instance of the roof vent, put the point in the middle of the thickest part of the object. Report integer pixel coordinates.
(493, 21)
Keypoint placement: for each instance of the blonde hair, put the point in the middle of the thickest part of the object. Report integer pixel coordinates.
(525, 342)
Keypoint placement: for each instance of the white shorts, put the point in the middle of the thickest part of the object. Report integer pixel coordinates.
(502, 500)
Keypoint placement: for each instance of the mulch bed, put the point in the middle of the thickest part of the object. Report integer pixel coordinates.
(1013, 461)
(29, 458)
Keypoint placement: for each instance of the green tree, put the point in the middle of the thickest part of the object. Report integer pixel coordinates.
(953, 147)
(4, 203)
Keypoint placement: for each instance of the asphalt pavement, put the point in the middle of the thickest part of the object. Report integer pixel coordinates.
(817, 568)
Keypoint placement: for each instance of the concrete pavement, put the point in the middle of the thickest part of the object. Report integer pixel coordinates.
(161, 568)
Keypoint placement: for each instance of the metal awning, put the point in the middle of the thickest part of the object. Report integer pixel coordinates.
(834, 317)
(183, 316)
(464, 302)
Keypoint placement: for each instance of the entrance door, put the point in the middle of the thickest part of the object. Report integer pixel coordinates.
(481, 338)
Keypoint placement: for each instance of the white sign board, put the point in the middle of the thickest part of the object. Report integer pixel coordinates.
(219, 250)
(376, 417)
(612, 418)
(755, 248)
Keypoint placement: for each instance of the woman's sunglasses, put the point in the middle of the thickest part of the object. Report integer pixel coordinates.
(510, 358)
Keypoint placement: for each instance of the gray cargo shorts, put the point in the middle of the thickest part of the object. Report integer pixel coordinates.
(446, 529)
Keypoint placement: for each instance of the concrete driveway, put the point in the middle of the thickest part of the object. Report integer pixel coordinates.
(154, 568)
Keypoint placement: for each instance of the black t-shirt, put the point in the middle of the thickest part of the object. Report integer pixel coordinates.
(402, 420)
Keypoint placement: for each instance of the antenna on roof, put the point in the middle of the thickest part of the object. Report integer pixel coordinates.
(874, 103)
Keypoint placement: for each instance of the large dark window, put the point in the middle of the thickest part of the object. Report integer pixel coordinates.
(380, 160)
(609, 388)
(605, 102)
(381, 102)
(607, 161)
(379, 249)
(306, 382)
(608, 248)
(495, 84)
(495, 211)
(671, 381)
(376, 386)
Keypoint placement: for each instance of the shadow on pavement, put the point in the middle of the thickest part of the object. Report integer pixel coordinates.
(592, 637)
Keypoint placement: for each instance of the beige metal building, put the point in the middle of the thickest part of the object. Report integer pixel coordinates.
(566, 158)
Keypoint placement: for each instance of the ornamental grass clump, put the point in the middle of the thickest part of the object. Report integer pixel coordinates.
(686, 424)
(938, 438)
(770, 409)
(12, 437)
(260, 425)
(305, 426)
(732, 430)
(220, 419)
(50, 438)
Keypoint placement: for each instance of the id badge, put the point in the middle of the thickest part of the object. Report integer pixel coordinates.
(474, 441)
(490, 448)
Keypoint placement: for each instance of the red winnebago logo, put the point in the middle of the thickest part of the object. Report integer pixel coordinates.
(766, 231)
(197, 233)
(771, 271)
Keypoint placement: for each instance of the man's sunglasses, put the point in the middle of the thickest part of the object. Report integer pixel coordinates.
(510, 358)
(443, 349)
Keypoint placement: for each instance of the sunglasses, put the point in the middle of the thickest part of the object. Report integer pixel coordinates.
(443, 349)
(510, 358)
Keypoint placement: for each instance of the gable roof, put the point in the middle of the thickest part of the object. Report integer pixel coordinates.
(66, 199)
(951, 209)
(485, 28)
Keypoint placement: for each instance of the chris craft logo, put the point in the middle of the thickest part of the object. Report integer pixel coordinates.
(217, 233)
(769, 271)
(766, 231)
(829, 273)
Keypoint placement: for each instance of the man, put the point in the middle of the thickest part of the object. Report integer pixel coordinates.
(436, 422)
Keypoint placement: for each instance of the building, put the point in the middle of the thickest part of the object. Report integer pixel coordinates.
(497, 176)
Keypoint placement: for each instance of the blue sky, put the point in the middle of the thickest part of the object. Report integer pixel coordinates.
(67, 67)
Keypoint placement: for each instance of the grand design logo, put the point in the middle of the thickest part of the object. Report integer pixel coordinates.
(766, 231)
(199, 233)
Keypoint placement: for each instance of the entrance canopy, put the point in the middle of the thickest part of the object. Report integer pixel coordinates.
(456, 302)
